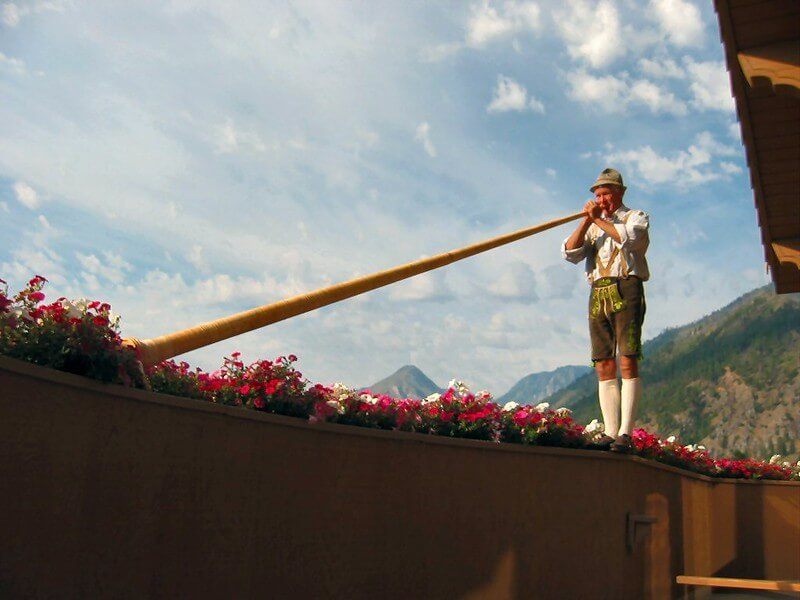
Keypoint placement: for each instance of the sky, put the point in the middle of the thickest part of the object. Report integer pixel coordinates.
(187, 160)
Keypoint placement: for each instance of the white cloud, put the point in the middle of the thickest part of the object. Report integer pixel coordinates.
(617, 94)
(605, 92)
(440, 51)
(592, 32)
(516, 282)
(709, 143)
(682, 169)
(368, 138)
(551, 172)
(656, 98)
(559, 282)
(230, 140)
(735, 131)
(44, 222)
(423, 136)
(510, 95)
(12, 65)
(710, 85)
(26, 195)
(680, 21)
(11, 14)
(661, 69)
(430, 286)
(112, 268)
(488, 23)
(197, 258)
(730, 168)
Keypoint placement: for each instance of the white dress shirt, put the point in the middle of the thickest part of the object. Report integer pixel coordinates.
(608, 258)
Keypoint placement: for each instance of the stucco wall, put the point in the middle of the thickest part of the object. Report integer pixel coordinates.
(121, 493)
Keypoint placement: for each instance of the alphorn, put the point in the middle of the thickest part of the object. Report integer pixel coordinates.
(161, 348)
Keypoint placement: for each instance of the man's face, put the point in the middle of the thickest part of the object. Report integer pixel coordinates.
(608, 197)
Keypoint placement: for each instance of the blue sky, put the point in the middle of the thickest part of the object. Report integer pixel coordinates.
(193, 159)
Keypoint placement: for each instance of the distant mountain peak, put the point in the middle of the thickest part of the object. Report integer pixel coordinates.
(536, 386)
(407, 382)
(409, 369)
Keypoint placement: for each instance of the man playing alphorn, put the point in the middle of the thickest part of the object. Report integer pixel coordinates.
(613, 240)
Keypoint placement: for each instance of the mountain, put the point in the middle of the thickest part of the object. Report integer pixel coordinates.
(729, 381)
(406, 382)
(533, 388)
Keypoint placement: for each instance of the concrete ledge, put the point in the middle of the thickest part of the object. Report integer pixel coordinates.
(109, 491)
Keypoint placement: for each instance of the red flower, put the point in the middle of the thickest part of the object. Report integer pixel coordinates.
(36, 296)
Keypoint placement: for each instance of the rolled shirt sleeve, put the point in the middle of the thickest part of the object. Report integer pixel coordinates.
(634, 230)
(574, 256)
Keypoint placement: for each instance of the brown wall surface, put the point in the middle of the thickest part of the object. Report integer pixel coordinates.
(110, 492)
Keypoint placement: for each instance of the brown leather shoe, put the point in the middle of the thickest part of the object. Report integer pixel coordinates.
(603, 442)
(623, 444)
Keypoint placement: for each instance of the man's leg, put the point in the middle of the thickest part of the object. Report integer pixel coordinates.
(608, 392)
(601, 332)
(629, 335)
(631, 392)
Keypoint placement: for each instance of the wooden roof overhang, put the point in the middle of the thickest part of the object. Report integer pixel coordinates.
(762, 51)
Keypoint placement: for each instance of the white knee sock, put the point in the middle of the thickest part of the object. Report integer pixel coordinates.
(609, 405)
(631, 393)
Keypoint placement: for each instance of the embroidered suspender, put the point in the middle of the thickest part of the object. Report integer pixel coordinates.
(605, 269)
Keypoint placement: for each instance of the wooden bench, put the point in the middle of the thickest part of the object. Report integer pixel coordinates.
(741, 584)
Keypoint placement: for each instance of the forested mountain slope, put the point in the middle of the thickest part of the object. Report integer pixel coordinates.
(730, 381)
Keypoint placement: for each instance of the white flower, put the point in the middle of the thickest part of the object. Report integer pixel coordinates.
(340, 388)
(594, 426)
(543, 406)
(21, 313)
(432, 398)
(459, 387)
(775, 459)
(671, 439)
(510, 406)
(72, 310)
(563, 411)
(335, 404)
(369, 399)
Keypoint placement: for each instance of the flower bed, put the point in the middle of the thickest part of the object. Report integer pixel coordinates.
(83, 337)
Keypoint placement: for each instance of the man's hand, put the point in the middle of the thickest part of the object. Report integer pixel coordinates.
(592, 210)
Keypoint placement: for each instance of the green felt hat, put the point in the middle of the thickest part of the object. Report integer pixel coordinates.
(608, 177)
